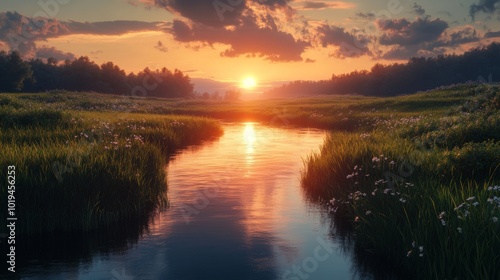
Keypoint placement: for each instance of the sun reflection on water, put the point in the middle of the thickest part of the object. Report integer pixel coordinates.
(250, 142)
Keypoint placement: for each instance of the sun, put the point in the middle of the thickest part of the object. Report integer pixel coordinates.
(249, 83)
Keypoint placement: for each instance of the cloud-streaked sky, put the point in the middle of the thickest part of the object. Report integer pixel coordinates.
(227, 40)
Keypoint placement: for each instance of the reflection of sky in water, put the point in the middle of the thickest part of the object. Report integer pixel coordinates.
(247, 216)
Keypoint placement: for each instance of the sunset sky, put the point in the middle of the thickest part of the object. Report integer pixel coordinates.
(230, 40)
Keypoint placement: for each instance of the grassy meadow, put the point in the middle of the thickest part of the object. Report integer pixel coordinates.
(414, 177)
(83, 169)
(420, 192)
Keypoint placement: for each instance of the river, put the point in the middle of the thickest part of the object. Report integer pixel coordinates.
(237, 211)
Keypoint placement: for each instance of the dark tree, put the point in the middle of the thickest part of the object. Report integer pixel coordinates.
(14, 72)
(418, 74)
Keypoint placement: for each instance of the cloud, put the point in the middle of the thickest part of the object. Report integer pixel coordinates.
(485, 6)
(21, 33)
(417, 9)
(406, 52)
(308, 60)
(466, 35)
(46, 52)
(248, 38)
(162, 48)
(492, 34)
(445, 41)
(404, 32)
(118, 27)
(321, 5)
(214, 13)
(369, 15)
(349, 44)
(15, 27)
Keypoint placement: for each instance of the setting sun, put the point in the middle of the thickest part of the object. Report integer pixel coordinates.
(249, 82)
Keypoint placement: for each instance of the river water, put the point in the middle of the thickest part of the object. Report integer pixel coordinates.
(237, 211)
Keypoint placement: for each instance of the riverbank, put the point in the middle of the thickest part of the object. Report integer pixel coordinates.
(420, 193)
(81, 170)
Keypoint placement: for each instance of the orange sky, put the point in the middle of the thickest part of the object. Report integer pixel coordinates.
(271, 40)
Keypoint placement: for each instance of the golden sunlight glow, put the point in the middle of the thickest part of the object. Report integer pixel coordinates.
(249, 138)
(248, 83)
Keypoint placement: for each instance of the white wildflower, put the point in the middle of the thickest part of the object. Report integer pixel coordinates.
(442, 214)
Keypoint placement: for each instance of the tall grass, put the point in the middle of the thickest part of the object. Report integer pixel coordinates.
(85, 170)
(419, 192)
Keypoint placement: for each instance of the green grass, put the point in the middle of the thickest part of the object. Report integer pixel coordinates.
(346, 112)
(85, 170)
(420, 181)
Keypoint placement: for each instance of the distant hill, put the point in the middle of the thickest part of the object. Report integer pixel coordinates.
(418, 74)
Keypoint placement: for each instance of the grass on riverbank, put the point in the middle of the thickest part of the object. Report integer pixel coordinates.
(421, 191)
(83, 170)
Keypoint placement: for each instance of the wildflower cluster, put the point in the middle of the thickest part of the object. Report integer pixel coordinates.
(417, 248)
(472, 204)
(176, 123)
(369, 191)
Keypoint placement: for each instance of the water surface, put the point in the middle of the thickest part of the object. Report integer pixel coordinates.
(237, 212)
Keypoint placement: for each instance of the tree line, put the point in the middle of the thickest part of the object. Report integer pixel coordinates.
(82, 74)
(418, 74)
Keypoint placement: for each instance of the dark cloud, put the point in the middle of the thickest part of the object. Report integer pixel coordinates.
(212, 13)
(320, 5)
(417, 9)
(406, 52)
(366, 15)
(404, 32)
(273, 3)
(215, 13)
(16, 28)
(161, 47)
(435, 47)
(349, 44)
(485, 6)
(308, 60)
(314, 5)
(21, 33)
(110, 27)
(492, 34)
(45, 52)
(401, 52)
(466, 35)
(248, 38)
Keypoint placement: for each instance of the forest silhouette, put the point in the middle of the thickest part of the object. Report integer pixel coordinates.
(418, 74)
